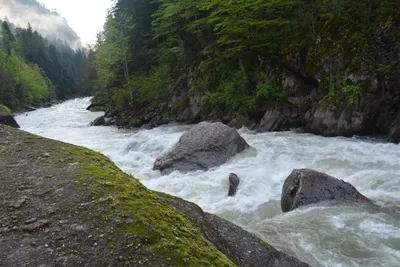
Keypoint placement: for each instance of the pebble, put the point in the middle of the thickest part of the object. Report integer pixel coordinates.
(31, 220)
(36, 225)
(17, 204)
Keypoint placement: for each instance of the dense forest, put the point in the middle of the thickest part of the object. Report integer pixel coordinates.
(34, 70)
(235, 53)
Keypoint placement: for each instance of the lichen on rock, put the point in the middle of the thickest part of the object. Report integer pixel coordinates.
(87, 212)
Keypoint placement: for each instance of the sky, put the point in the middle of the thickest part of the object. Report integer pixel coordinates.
(85, 17)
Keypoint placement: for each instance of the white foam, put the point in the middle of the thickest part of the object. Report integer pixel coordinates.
(320, 235)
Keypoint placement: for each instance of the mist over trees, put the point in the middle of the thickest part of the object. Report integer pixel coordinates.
(34, 70)
(48, 23)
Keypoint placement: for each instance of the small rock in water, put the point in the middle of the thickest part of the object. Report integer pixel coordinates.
(233, 184)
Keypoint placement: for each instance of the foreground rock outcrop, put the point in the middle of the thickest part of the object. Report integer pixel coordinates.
(63, 205)
(6, 117)
(304, 187)
(204, 146)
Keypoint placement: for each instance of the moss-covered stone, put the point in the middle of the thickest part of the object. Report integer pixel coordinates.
(7, 118)
(167, 234)
(93, 214)
(5, 111)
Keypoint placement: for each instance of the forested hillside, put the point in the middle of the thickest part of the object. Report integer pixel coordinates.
(330, 66)
(34, 70)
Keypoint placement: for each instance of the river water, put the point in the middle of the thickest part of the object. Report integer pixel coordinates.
(321, 235)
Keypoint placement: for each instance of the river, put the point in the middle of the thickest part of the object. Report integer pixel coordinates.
(321, 235)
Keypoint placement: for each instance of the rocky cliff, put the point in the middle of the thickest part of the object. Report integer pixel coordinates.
(343, 83)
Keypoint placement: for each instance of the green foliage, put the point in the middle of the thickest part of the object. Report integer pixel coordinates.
(150, 89)
(231, 92)
(5, 111)
(32, 69)
(121, 98)
(29, 79)
(267, 92)
(342, 92)
(351, 91)
(233, 43)
(234, 93)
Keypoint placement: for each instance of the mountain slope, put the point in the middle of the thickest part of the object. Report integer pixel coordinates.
(48, 23)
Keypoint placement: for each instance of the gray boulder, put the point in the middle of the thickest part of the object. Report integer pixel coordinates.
(204, 146)
(304, 187)
(99, 121)
(281, 119)
(7, 118)
(329, 120)
(233, 184)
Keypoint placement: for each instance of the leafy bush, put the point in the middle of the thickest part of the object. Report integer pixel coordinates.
(266, 92)
(29, 78)
(234, 93)
(151, 89)
(121, 98)
(343, 92)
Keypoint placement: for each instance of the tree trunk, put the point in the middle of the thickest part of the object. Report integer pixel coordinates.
(127, 78)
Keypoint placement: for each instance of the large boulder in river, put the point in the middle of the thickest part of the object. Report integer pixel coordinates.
(204, 146)
(304, 186)
(7, 118)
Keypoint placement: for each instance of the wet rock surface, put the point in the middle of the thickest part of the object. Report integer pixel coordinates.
(305, 186)
(63, 205)
(243, 248)
(99, 121)
(234, 182)
(204, 146)
(7, 118)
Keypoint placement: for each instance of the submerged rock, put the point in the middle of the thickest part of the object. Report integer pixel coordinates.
(233, 184)
(204, 146)
(7, 118)
(304, 187)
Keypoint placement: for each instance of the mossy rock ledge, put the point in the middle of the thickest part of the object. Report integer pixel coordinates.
(7, 118)
(64, 205)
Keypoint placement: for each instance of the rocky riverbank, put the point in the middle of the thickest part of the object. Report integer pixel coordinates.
(63, 205)
(336, 87)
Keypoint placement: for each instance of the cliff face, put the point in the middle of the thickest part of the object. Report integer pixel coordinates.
(343, 83)
(63, 205)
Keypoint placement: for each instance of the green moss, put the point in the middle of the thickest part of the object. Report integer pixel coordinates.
(166, 234)
(111, 245)
(5, 111)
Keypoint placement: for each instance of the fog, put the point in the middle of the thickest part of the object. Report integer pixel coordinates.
(48, 23)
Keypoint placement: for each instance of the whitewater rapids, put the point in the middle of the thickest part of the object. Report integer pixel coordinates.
(321, 235)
